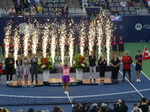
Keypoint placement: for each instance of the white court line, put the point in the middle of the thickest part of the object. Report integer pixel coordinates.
(109, 94)
(145, 89)
(143, 73)
(70, 100)
(132, 85)
(118, 93)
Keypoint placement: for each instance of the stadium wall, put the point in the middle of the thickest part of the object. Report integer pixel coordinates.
(132, 28)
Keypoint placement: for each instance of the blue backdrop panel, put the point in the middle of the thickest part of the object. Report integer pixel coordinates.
(132, 28)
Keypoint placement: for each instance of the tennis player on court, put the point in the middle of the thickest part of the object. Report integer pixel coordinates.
(66, 77)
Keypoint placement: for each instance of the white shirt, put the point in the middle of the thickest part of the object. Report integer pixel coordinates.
(137, 109)
(148, 3)
(123, 4)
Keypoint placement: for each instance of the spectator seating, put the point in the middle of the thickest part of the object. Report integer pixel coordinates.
(47, 10)
(124, 11)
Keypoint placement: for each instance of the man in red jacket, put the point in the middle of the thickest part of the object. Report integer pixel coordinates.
(127, 61)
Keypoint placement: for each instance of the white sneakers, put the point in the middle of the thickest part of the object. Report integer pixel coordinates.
(9, 82)
(138, 80)
(66, 92)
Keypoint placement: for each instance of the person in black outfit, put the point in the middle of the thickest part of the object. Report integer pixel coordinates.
(94, 109)
(121, 46)
(115, 68)
(114, 45)
(102, 67)
(77, 108)
(123, 106)
(120, 106)
(57, 109)
(65, 10)
(144, 106)
(9, 62)
(92, 67)
(116, 107)
(115, 12)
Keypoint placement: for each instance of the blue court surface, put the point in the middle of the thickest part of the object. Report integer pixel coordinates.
(46, 97)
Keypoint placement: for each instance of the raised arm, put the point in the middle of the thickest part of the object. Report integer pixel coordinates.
(62, 66)
(69, 65)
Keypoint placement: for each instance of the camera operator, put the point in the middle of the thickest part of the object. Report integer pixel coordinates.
(85, 107)
(58, 109)
(77, 108)
(120, 106)
(95, 108)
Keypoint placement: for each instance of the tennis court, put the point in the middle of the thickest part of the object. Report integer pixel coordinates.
(48, 95)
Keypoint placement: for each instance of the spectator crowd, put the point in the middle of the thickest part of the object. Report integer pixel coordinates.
(119, 106)
(36, 8)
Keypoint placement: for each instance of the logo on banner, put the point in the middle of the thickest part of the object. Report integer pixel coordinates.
(138, 26)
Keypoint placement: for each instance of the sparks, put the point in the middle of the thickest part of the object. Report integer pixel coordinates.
(16, 43)
(71, 43)
(35, 39)
(45, 40)
(62, 40)
(7, 39)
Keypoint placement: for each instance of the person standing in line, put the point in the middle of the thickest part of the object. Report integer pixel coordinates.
(19, 70)
(114, 45)
(26, 69)
(127, 61)
(9, 67)
(136, 108)
(121, 46)
(1, 71)
(92, 67)
(138, 66)
(115, 68)
(143, 105)
(34, 68)
(66, 77)
(102, 67)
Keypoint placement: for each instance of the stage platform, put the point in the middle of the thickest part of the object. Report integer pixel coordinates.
(15, 84)
(58, 82)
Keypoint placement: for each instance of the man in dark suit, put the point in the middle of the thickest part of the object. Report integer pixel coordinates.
(9, 67)
(34, 67)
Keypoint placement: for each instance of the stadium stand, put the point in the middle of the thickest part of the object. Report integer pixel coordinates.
(75, 6)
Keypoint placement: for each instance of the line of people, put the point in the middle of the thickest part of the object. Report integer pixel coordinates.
(115, 63)
(23, 68)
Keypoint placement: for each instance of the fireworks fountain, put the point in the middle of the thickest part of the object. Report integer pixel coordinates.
(99, 33)
(7, 39)
(82, 36)
(26, 40)
(45, 41)
(91, 36)
(108, 31)
(100, 27)
(62, 39)
(35, 39)
(71, 42)
(53, 44)
(16, 43)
